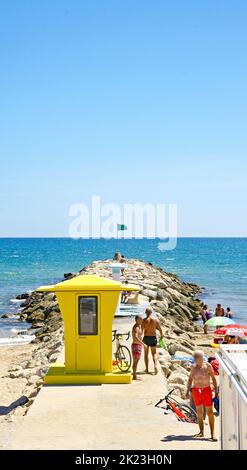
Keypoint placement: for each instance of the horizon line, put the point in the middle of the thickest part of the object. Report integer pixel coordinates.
(38, 237)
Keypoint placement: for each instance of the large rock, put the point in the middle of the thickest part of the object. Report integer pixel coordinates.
(178, 378)
(163, 284)
(166, 369)
(10, 315)
(161, 294)
(24, 296)
(34, 379)
(174, 347)
(179, 389)
(36, 316)
(176, 295)
(151, 294)
(162, 305)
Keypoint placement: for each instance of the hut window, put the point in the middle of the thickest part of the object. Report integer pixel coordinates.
(88, 315)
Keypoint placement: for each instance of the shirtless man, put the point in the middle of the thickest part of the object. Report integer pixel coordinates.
(199, 380)
(219, 311)
(150, 325)
(136, 346)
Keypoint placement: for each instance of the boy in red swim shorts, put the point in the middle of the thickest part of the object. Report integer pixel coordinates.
(136, 347)
(199, 380)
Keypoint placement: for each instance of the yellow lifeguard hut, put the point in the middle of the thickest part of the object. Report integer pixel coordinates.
(88, 304)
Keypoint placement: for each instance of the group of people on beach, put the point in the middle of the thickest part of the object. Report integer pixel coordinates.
(206, 314)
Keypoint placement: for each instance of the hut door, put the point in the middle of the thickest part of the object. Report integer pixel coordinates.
(88, 333)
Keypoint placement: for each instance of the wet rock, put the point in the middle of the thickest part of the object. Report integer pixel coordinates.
(69, 275)
(36, 316)
(8, 315)
(37, 325)
(23, 296)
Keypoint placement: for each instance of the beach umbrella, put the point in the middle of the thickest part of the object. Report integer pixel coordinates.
(219, 321)
(223, 331)
(235, 332)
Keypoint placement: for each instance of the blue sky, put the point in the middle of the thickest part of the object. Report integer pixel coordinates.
(134, 101)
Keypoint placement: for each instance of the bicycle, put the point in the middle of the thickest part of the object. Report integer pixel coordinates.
(182, 411)
(122, 354)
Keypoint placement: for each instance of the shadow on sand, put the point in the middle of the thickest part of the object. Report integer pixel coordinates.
(4, 410)
(181, 438)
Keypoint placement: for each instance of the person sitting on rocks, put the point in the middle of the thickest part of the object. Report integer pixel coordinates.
(199, 383)
(125, 293)
(117, 257)
(150, 325)
(132, 298)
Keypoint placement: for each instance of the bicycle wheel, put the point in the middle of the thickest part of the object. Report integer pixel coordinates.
(123, 358)
(188, 412)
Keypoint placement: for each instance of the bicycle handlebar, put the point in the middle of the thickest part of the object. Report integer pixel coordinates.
(157, 404)
(115, 334)
(165, 398)
(170, 393)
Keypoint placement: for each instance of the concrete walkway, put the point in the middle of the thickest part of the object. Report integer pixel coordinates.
(105, 417)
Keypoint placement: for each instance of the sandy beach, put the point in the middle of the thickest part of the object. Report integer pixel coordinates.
(11, 390)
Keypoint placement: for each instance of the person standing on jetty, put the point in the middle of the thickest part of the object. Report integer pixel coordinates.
(137, 343)
(199, 380)
(150, 325)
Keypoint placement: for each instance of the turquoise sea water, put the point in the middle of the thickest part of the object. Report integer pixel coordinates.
(217, 264)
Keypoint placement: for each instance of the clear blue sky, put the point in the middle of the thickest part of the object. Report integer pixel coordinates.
(135, 101)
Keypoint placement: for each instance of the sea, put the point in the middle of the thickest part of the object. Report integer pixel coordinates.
(218, 265)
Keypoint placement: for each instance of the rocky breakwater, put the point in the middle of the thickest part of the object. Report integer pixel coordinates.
(173, 301)
(177, 308)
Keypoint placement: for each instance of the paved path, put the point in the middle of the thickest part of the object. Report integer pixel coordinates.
(104, 417)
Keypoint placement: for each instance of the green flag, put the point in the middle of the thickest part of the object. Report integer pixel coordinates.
(121, 227)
